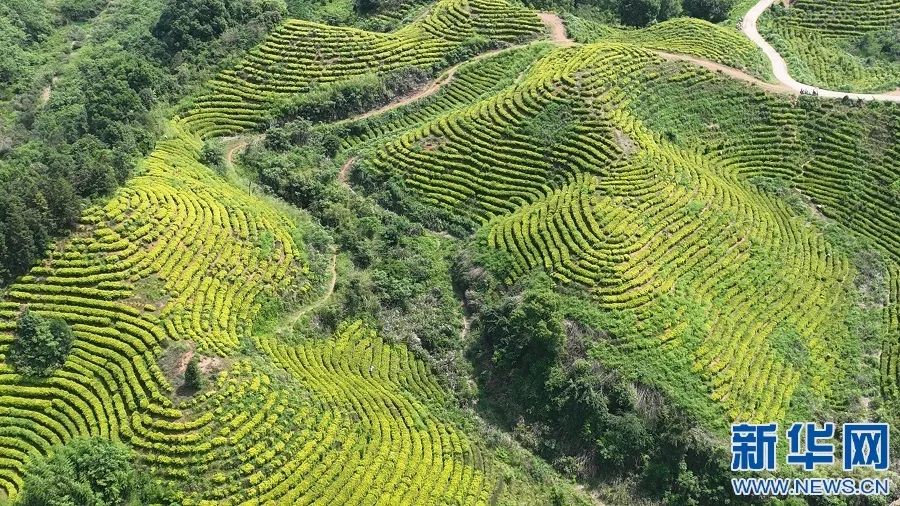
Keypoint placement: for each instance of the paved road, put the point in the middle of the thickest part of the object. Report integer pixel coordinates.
(779, 67)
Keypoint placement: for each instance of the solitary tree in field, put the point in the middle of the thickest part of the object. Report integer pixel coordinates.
(193, 378)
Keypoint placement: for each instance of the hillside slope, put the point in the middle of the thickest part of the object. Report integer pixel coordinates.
(181, 259)
(840, 45)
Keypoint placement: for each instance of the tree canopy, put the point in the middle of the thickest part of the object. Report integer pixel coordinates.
(89, 472)
(710, 10)
(41, 344)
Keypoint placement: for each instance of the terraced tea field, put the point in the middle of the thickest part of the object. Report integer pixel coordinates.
(647, 225)
(820, 40)
(715, 217)
(180, 254)
(300, 55)
(176, 255)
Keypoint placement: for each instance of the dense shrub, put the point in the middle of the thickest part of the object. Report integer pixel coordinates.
(881, 44)
(89, 472)
(646, 12)
(187, 24)
(213, 156)
(80, 10)
(193, 378)
(536, 373)
(41, 345)
(85, 471)
(710, 10)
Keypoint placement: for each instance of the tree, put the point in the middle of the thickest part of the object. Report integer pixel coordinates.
(80, 10)
(21, 247)
(41, 345)
(91, 472)
(668, 9)
(366, 6)
(213, 156)
(184, 24)
(639, 12)
(710, 10)
(193, 377)
(524, 336)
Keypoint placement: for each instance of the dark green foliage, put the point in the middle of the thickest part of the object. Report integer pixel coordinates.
(880, 45)
(13, 56)
(639, 12)
(647, 12)
(668, 9)
(710, 10)
(537, 374)
(41, 345)
(366, 6)
(525, 335)
(22, 237)
(213, 156)
(80, 10)
(118, 90)
(188, 24)
(89, 472)
(193, 377)
(288, 135)
(22, 24)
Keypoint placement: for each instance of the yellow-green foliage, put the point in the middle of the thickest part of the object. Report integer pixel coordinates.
(300, 54)
(816, 37)
(688, 36)
(183, 227)
(349, 424)
(756, 298)
(179, 253)
(843, 163)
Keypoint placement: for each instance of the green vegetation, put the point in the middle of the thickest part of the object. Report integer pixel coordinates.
(41, 345)
(710, 10)
(300, 55)
(682, 35)
(181, 254)
(186, 25)
(87, 471)
(193, 378)
(80, 103)
(838, 44)
(558, 263)
(641, 140)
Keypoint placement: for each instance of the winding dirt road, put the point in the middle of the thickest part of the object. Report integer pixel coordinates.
(779, 66)
(437, 83)
(237, 143)
(291, 319)
(785, 85)
(557, 29)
